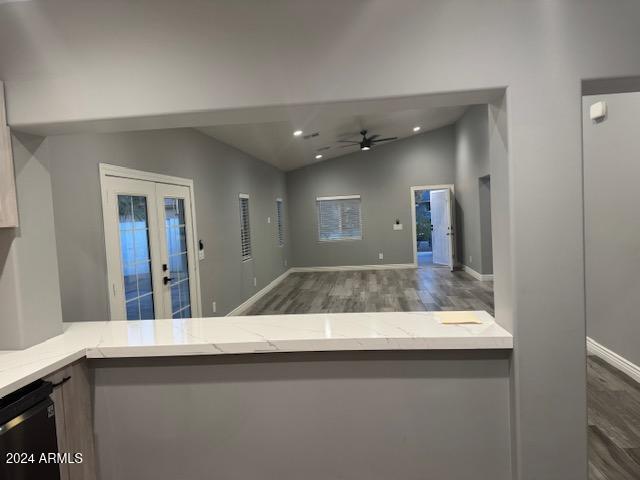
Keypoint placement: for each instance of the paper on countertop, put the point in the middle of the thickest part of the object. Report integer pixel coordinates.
(457, 318)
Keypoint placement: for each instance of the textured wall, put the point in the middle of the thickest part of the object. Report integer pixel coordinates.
(612, 217)
(219, 172)
(472, 161)
(383, 177)
(28, 262)
(317, 416)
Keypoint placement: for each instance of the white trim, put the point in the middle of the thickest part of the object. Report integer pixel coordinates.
(108, 170)
(412, 203)
(240, 309)
(483, 277)
(613, 359)
(243, 195)
(338, 197)
(339, 268)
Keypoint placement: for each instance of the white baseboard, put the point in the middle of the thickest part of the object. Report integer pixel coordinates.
(483, 277)
(613, 359)
(240, 309)
(386, 266)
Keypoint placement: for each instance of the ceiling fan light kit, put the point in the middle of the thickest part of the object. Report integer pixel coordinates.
(367, 142)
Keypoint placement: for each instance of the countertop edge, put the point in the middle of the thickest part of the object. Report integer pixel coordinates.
(249, 335)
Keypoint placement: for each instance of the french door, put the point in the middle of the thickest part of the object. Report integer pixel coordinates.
(149, 236)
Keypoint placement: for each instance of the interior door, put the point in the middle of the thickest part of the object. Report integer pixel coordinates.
(176, 249)
(149, 236)
(442, 232)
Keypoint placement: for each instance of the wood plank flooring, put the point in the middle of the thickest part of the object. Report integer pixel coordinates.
(426, 288)
(613, 402)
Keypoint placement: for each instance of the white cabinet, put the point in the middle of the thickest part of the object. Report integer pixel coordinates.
(8, 203)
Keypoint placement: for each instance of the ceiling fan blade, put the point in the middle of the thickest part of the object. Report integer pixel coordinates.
(373, 137)
(348, 141)
(352, 145)
(384, 139)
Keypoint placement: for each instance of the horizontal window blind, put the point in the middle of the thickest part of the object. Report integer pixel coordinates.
(280, 225)
(339, 218)
(245, 230)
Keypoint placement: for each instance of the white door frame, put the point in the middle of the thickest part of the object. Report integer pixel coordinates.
(106, 171)
(412, 200)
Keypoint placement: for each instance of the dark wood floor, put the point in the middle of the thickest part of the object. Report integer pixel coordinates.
(613, 402)
(426, 288)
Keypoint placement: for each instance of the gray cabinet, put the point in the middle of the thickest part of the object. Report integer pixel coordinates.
(74, 419)
(8, 203)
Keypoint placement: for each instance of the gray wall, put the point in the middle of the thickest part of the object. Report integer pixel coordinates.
(383, 177)
(28, 262)
(350, 415)
(612, 224)
(304, 51)
(484, 185)
(219, 172)
(472, 161)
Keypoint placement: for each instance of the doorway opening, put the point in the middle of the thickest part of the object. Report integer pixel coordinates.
(433, 226)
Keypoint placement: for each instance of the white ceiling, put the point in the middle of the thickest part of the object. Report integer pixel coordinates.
(274, 143)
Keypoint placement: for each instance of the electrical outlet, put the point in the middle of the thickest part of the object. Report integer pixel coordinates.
(381, 256)
(255, 282)
(213, 307)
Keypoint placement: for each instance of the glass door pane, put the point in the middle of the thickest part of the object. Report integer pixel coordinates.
(151, 263)
(178, 256)
(135, 257)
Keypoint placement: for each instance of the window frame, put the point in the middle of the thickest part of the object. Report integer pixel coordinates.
(334, 198)
(242, 197)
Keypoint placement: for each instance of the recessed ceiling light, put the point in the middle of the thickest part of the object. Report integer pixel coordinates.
(416, 128)
(365, 148)
(318, 156)
(297, 133)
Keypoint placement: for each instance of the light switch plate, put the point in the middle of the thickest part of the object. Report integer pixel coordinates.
(200, 254)
(598, 111)
(397, 226)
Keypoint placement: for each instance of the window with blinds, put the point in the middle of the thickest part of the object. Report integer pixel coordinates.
(245, 230)
(339, 218)
(279, 219)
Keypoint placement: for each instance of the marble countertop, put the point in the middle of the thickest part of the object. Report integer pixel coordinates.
(250, 334)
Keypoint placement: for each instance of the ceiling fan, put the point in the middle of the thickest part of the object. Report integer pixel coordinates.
(367, 142)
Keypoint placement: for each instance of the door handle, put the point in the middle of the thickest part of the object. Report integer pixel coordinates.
(166, 280)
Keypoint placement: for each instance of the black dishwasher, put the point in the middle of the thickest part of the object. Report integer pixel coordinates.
(28, 439)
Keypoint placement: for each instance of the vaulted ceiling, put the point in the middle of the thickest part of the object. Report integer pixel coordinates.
(323, 128)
